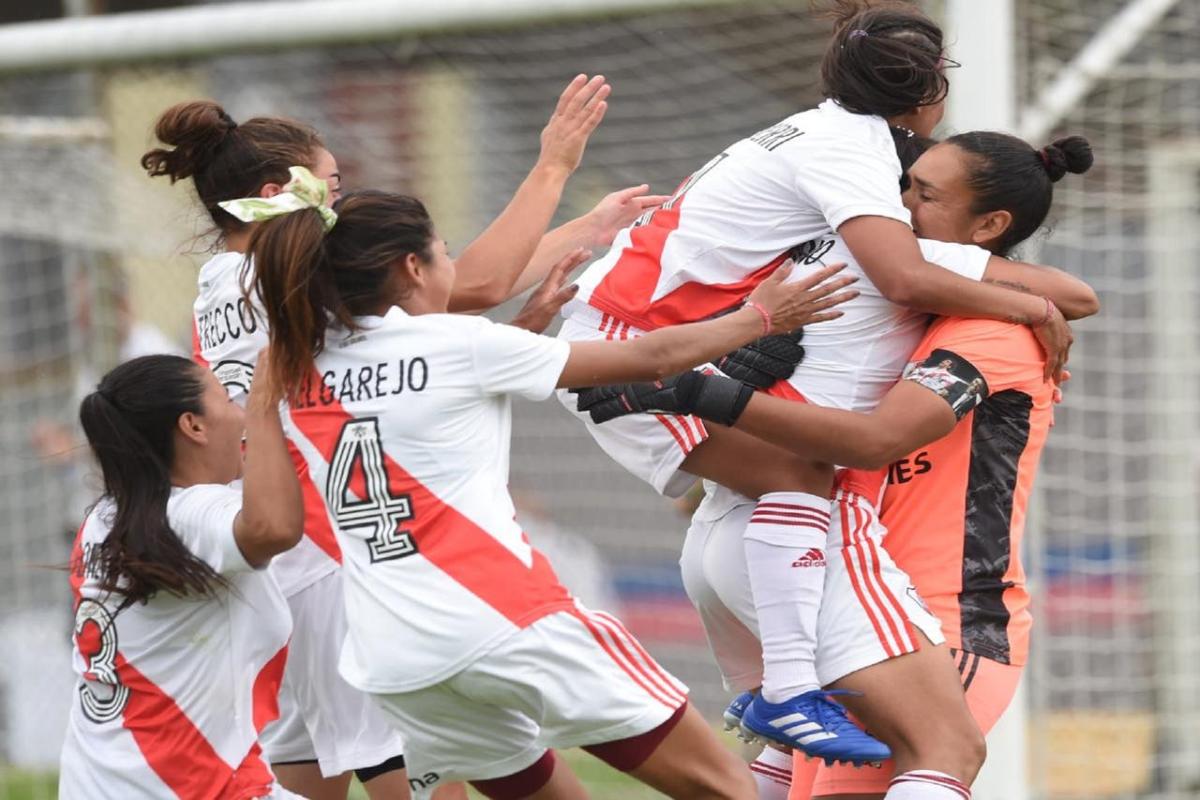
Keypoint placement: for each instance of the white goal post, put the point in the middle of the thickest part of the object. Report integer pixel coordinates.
(208, 30)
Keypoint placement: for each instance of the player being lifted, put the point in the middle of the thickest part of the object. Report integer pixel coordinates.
(180, 633)
(788, 190)
(456, 626)
(327, 729)
(965, 429)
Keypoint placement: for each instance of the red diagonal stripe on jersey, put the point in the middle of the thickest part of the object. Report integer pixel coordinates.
(451, 542)
(266, 689)
(627, 291)
(786, 391)
(171, 744)
(316, 521)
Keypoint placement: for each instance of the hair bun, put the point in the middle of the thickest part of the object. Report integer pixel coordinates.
(195, 130)
(1072, 154)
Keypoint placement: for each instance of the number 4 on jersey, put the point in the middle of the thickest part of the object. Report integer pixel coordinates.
(360, 497)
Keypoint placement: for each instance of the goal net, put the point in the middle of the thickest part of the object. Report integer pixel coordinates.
(98, 262)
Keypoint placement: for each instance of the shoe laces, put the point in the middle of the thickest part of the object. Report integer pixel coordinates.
(831, 711)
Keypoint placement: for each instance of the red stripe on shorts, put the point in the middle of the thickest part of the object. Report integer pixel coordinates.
(852, 573)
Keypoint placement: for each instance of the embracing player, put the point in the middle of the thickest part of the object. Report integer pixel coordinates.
(822, 184)
(955, 513)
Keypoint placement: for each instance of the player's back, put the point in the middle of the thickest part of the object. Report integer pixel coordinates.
(407, 426)
(229, 331)
(173, 692)
(734, 220)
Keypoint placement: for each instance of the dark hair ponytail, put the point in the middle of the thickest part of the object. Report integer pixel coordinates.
(227, 160)
(1006, 174)
(130, 421)
(306, 277)
(885, 58)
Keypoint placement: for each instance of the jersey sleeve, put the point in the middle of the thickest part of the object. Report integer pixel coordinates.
(965, 361)
(202, 517)
(845, 178)
(510, 360)
(966, 260)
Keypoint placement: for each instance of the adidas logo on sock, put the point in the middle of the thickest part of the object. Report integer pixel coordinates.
(813, 558)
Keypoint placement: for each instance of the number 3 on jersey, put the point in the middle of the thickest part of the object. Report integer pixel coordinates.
(101, 693)
(360, 497)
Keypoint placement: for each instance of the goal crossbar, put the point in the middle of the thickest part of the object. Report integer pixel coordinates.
(209, 30)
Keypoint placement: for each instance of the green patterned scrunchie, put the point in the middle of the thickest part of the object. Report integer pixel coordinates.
(304, 190)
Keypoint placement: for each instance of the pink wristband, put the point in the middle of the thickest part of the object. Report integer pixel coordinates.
(1046, 319)
(766, 315)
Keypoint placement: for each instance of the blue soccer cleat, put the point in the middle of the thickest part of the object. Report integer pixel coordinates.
(815, 725)
(735, 710)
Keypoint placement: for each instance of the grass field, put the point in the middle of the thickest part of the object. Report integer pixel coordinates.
(602, 781)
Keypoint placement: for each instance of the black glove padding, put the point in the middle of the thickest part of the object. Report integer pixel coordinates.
(764, 361)
(711, 397)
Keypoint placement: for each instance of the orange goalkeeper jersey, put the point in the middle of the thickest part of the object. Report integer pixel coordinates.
(955, 510)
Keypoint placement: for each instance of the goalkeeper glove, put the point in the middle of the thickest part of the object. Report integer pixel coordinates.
(711, 397)
(764, 361)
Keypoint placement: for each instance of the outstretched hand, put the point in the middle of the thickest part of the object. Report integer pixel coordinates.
(550, 296)
(619, 210)
(580, 109)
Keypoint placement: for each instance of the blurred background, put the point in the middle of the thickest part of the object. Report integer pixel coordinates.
(445, 100)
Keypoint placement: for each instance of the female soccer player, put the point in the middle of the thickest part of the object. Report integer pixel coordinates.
(785, 191)
(326, 729)
(963, 433)
(457, 627)
(180, 632)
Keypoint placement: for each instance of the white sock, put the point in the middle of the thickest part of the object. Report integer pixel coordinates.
(785, 557)
(772, 774)
(925, 784)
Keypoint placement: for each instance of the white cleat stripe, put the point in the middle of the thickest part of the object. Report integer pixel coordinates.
(807, 727)
(816, 737)
(790, 719)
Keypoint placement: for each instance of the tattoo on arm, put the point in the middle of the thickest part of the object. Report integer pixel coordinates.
(1015, 285)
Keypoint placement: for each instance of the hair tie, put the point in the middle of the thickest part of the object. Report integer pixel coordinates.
(303, 191)
(857, 33)
(228, 120)
(1045, 159)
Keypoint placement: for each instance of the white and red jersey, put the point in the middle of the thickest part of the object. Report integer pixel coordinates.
(406, 424)
(173, 692)
(851, 362)
(737, 218)
(227, 335)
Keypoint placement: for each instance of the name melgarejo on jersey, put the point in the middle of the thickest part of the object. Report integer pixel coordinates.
(365, 383)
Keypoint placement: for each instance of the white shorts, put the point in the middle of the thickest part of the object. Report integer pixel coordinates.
(571, 679)
(321, 717)
(650, 446)
(868, 610)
